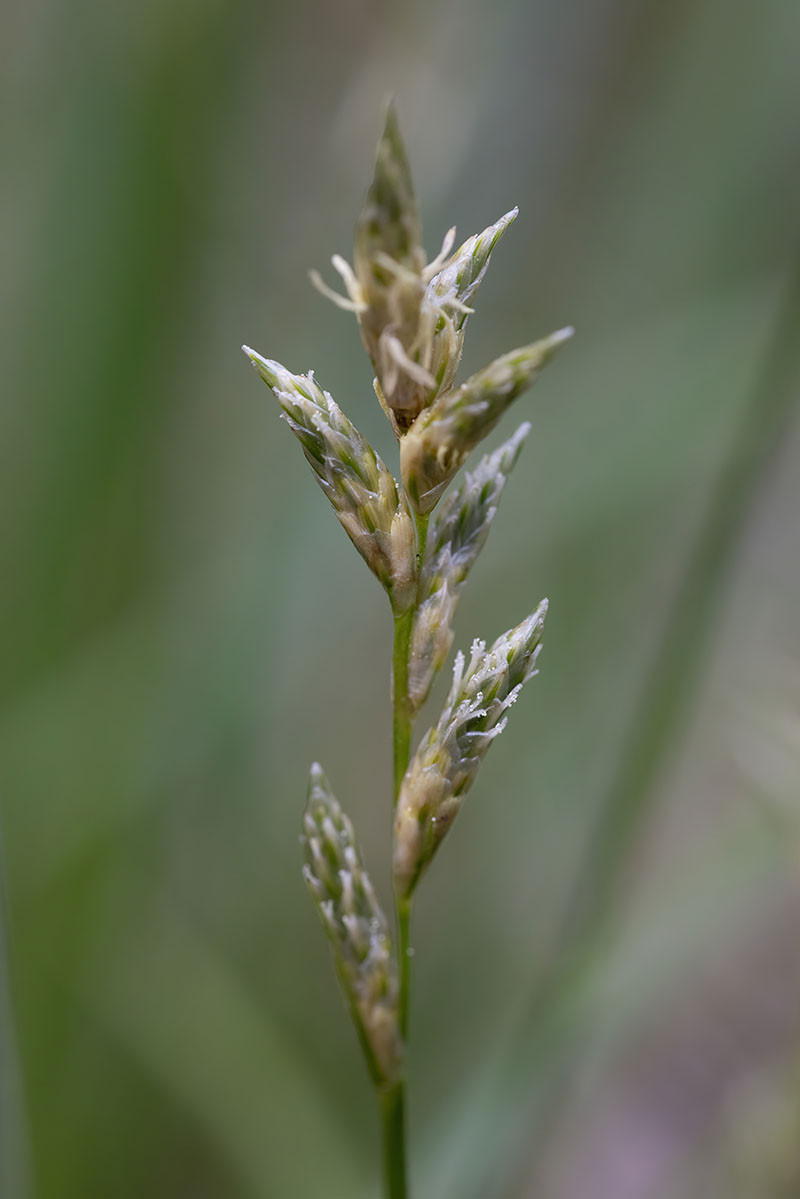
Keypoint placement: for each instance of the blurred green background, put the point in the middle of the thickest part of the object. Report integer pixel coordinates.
(607, 984)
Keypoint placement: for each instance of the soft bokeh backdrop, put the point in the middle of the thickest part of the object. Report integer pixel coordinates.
(607, 970)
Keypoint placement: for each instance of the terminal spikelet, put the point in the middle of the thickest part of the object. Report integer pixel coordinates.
(412, 313)
(389, 262)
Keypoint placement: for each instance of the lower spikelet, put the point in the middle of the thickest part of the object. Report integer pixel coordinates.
(356, 926)
(447, 761)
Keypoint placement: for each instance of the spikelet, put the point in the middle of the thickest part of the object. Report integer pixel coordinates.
(443, 437)
(445, 305)
(456, 537)
(447, 761)
(356, 926)
(362, 491)
(411, 313)
(389, 262)
(389, 225)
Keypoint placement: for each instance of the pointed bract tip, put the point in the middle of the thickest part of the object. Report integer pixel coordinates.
(267, 369)
(562, 335)
(390, 129)
(316, 774)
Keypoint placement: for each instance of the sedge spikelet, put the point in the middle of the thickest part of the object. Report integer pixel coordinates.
(412, 314)
(363, 492)
(440, 441)
(446, 764)
(355, 924)
(457, 534)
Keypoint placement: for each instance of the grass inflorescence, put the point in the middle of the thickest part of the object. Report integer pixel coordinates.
(412, 315)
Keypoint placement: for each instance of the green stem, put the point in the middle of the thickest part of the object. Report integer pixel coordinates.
(422, 534)
(392, 1104)
(392, 1101)
(404, 952)
(402, 709)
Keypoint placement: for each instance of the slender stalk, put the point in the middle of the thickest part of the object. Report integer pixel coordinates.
(402, 709)
(422, 534)
(404, 952)
(392, 1104)
(392, 1101)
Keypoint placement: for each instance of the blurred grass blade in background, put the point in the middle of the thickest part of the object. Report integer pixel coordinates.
(14, 1147)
